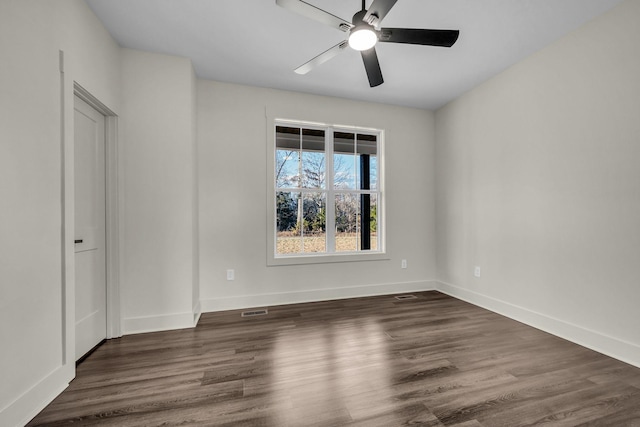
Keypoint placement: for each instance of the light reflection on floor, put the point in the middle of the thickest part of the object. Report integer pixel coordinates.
(330, 372)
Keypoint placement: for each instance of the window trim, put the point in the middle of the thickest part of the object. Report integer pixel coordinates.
(326, 257)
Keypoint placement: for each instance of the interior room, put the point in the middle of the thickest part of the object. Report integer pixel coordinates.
(501, 200)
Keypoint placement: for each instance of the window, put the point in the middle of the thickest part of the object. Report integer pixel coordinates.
(327, 191)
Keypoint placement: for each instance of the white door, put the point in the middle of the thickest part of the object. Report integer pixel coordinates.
(91, 283)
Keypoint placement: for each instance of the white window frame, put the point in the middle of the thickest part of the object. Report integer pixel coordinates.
(274, 259)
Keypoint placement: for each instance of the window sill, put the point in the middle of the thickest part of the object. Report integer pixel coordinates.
(327, 258)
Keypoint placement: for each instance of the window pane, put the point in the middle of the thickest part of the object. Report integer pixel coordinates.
(347, 222)
(287, 138)
(314, 231)
(313, 159)
(367, 144)
(373, 222)
(373, 170)
(344, 142)
(287, 162)
(353, 229)
(366, 149)
(313, 140)
(288, 234)
(301, 222)
(344, 177)
(344, 161)
(287, 157)
(313, 170)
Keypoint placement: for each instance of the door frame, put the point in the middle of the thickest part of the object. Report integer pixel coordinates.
(112, 210)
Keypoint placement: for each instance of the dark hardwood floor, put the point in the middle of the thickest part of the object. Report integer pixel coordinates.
(429, 361)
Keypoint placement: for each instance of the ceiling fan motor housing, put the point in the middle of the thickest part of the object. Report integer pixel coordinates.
(359, 22)
(363, 36)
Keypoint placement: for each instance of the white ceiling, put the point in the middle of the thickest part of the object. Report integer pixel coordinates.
(256, 42)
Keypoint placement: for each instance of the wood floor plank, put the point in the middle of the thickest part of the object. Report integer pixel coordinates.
(376, 361)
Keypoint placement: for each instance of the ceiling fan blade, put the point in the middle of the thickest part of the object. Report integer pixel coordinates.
(377, 11)
(322, 58)
(312, 12)
(443, 38)
(371, 64)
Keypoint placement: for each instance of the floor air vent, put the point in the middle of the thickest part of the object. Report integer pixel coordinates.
(254, 313)
(404, 297)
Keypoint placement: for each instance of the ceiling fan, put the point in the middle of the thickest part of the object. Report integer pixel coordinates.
(364, 32)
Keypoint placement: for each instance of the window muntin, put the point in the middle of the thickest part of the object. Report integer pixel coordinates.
(326, 190)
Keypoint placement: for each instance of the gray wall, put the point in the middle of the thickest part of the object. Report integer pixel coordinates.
(154, 99)
(538, 183)
(159, 253)
(233, 122)
(36, 132)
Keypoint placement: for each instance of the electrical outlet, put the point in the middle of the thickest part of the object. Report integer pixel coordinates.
(403, 264)
(476, 271)
(231, 274)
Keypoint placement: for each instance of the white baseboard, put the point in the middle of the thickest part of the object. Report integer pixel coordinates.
(618, 349)
(30, 403)
(266, 300)
(165, 322)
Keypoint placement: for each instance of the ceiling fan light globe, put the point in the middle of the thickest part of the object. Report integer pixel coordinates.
(362, 39)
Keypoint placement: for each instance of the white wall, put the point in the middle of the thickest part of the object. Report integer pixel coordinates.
(538, 183)
(232, 150)
(33, 368)
(157, 282)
